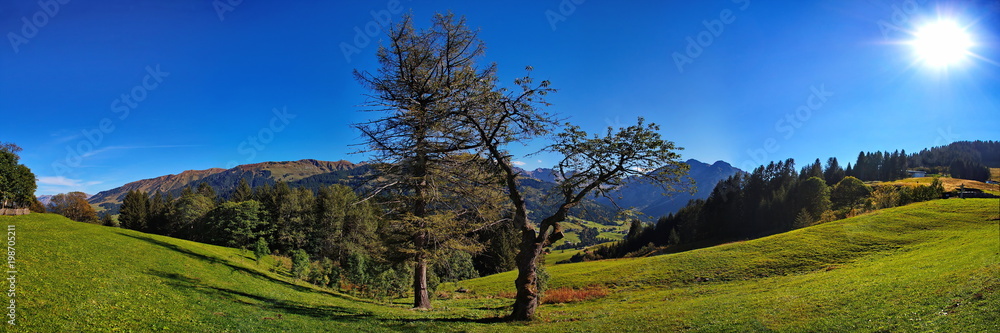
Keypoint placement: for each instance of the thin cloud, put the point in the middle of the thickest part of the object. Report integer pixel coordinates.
(64, 137)
(518, 163)
(60, 184)
(58, 181)
(63, 181)
(102, 150)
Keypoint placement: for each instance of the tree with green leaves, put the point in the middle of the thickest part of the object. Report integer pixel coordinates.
(17, 182)
(207, 191)
(107, 221)
(814, 197)
(590, 165)
(812, 170)
(134, 212)
(300, 264)
(243, 192)
(833, 173)
(294, 216)
(500, 242)
(260, 248)
(186, 220)
(426, 76)
(161, 208)
(849, 192)
(235, 224)
(438, 104)
(343, 224)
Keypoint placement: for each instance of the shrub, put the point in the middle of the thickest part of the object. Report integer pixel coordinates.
(542, 276)
(260, 249)
(300, 264)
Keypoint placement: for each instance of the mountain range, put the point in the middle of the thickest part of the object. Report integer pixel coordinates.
(313, 174)
(303, 173)
(649, 198)
(46, 199)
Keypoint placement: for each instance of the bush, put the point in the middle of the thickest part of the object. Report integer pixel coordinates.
(323, 272)
(260, 249)
(849, 192)
(543, 276)
(300, 264)
(456, 267)
(885, 197)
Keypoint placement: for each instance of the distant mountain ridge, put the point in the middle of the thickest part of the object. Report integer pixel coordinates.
(648, 198)
(46, 199)
(312, 174)
(308, 173)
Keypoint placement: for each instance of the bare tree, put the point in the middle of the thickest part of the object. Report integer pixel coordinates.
(590, 165)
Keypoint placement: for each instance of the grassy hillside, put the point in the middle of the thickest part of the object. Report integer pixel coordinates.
(928, 266)
(572, 226)
(76, 277)
(933, 266)
(949, 184)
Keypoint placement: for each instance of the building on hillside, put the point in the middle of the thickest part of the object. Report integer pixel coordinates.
(916, 174)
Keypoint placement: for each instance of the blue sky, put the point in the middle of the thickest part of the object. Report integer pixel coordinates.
(102, 93)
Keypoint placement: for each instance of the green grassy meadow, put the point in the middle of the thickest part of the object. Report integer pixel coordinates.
(931, 266)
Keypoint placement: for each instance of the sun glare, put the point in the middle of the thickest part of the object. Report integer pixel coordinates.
(942, 43)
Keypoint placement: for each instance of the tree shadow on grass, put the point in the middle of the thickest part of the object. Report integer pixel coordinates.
(316, 311)
(232, 267)
(336, 313)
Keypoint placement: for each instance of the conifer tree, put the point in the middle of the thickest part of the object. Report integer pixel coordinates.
(134, 212)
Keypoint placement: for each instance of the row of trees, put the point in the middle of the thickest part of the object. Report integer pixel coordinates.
(334, 238)
(769, 200)
(969, 170)
(963, 159)
(986, 153)
(340, 236)
(884, 166)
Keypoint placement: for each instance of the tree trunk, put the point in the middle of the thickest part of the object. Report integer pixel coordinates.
(421, 299)
(527, 279)
(527, 261)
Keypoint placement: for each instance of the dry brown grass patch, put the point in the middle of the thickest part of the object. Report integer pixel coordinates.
(570, 295)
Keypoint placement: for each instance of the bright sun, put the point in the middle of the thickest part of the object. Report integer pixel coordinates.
(942, 43)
